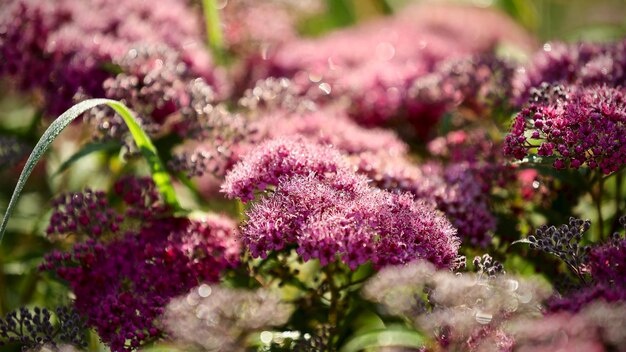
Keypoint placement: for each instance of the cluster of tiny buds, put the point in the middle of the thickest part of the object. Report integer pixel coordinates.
(194, 164)
(459, 263)
(86, 212)
(141, 197)
(563, 242)
(616, 237)
(547, 93)
(486, 265)
(33, 329)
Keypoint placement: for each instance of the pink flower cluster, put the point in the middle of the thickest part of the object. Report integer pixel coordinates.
(327, 212)
(331, 126)
(456, 189)
(123, 283)
(588, 126)
(283, 157)
(478, 151)
(475, 83)
(375, 64)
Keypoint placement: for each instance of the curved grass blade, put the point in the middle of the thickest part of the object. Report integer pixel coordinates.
(159, 175)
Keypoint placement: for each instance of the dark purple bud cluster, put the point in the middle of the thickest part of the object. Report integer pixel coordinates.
(604, 262)
(607, 263)
(33, 329)
(486, 265)
(122, 282)
(564, 242)
(87, 213)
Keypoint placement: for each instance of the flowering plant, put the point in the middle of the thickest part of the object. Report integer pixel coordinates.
(285, 175)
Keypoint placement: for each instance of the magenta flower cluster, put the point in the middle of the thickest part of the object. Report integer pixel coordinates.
(457, 190)
(123, 283)
(325, 211)
(331, 126)
(475, 82)
(283, 157)
(65, 48)
(86, 212)
(588, 127)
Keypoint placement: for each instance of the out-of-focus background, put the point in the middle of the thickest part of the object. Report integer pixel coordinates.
(568, 20)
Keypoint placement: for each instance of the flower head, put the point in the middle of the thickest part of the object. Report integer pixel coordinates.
(457, 190)
(121, 286)
(330, 213)
(586, 127)
(65, 48)
(122, 282)
(289, 156)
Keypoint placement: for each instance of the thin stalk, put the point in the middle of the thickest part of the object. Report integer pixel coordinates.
(598, 202)
(619, 184)
(213, 26)
(333, 311)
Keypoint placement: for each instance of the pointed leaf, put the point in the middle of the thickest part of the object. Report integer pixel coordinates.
(84, 151)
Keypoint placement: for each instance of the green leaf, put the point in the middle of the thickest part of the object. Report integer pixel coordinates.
(398, 337)
(159, 175)
(86, 150)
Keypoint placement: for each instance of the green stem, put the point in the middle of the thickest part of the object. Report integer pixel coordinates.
(598, 202)
(215, 37)
(333, 311)
(619, 183)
